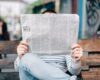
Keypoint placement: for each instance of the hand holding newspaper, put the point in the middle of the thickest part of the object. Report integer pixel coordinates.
(50, 34)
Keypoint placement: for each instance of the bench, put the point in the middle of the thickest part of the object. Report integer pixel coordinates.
(90, 61)
(8, 47)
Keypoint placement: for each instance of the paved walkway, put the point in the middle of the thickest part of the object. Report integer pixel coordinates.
(9, 74)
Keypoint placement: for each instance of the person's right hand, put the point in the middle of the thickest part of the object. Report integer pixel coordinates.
(22, 48)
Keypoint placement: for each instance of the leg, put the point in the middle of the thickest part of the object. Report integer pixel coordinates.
(24, 75)
(35, 66)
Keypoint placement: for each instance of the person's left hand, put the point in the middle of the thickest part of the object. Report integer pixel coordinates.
(77, 52)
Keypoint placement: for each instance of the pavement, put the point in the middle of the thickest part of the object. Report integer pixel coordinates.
(9, 74)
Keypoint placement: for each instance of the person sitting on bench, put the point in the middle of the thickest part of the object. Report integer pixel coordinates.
(48, 67)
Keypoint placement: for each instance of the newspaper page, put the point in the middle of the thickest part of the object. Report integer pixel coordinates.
(50, 33)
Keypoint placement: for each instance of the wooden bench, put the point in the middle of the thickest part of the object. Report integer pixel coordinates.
(8, 47)
(90, 61)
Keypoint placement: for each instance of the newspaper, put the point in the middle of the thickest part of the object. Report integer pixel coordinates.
(50, 33)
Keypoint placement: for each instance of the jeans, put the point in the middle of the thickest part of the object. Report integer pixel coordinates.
(31, 67)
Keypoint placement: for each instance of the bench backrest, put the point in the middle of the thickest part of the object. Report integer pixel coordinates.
(90, 45)
(8, 47)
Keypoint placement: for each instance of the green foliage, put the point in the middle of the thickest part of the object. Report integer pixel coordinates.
(32, 5)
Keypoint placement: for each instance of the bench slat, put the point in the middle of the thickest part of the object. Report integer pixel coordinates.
(91, 75)
(91, 60)
(6, 64)
(8, 47)
(90, 45)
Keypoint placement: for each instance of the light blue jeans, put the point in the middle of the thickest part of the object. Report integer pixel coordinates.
(31, 67)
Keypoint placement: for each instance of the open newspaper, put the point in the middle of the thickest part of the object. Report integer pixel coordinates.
(50, 33)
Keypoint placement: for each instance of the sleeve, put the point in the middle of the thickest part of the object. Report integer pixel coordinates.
(16, 64)
(72, 66)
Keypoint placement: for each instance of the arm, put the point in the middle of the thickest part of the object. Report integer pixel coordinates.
(73, 67)
(73, 61)
(22, 49)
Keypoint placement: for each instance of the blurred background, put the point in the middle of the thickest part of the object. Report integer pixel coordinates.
(10, 26)
(88, 10)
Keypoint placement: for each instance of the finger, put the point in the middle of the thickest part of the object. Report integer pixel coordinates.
(76, 46)
(77, 56)
(75, 53)
(77, 49)
(21, 50)
(24, 43)
(23, 47)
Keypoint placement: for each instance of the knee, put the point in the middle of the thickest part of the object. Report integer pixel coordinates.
(27, 60)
